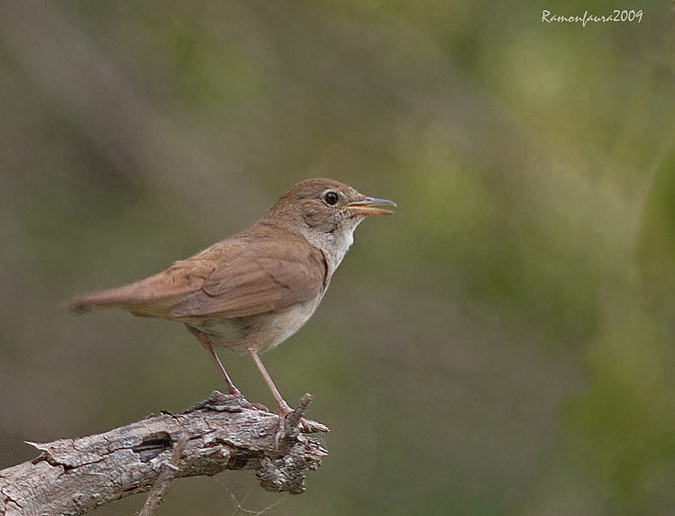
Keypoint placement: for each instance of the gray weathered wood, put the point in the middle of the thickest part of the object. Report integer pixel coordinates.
(74, 476)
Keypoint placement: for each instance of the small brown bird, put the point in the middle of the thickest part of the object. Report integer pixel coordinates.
(252, 291)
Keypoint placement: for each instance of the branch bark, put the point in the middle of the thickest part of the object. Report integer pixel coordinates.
(74, 476)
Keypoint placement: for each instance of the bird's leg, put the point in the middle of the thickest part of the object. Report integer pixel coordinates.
(283, 409)
(206, 342)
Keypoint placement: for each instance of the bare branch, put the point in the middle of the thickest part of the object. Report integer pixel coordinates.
(165, 477)
(74, 476)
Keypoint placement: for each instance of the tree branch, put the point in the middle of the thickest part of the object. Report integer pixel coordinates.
(74, 476)
(164, 478)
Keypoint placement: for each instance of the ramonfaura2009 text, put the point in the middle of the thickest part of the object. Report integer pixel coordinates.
(616, 16)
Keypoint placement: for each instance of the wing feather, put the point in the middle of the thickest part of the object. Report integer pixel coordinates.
(258, 271)
(157, 294)
(268, 275)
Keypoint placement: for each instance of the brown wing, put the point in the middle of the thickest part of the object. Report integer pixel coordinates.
(267, 275)
(157, 294)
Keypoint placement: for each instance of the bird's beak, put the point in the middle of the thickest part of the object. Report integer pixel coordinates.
(370, 206)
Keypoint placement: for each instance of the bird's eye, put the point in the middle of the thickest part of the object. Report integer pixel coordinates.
(330, 197)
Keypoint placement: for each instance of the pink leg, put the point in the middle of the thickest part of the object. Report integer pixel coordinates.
(283, 409)
(206, 342)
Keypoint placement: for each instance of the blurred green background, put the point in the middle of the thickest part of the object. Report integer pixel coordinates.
(502, 345)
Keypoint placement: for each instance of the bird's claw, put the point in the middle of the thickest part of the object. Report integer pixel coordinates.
(293, 425)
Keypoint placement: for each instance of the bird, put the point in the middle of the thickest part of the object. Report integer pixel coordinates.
(250, 292)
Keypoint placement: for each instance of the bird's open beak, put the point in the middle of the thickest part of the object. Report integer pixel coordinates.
(370, 206)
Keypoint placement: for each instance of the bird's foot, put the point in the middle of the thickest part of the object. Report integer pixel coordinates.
(282, 412)
(291, 422)
(257, 406)
(220, 402)
(219, 397)
(236, 398)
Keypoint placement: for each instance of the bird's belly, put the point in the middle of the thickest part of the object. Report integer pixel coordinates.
(261, 332)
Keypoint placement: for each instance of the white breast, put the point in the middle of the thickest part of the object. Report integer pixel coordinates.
(261, 332)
